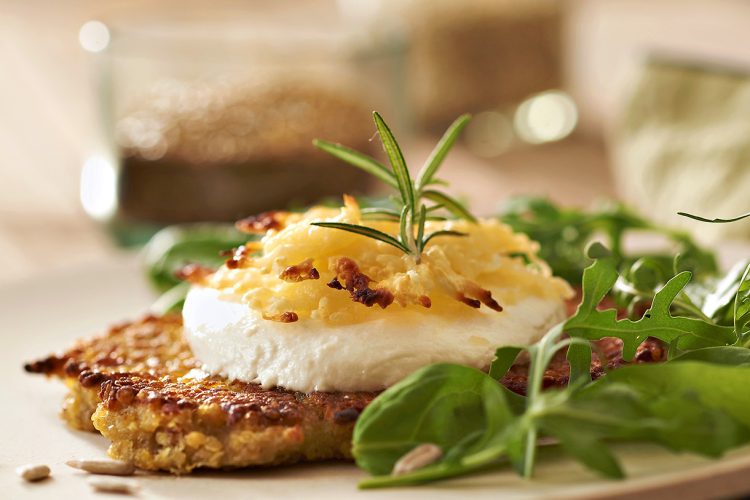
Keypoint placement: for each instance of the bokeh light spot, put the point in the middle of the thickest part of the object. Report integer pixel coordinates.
(94, 36)
(99, 187)
(546, 117)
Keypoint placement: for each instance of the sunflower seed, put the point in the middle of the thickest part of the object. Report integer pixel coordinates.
(33, 472)
(107, 467)
(113, 485)
(421, 456)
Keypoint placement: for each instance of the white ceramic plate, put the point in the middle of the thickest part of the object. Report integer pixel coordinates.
(41, 316)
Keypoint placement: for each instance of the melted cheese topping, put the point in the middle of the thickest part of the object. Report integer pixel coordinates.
(488, 258)
(280, 314)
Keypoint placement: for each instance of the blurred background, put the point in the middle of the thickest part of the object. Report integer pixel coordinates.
(121, 117)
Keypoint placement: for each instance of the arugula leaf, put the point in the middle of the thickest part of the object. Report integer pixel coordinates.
(695, 403)
(587, 445)
(673, 405)
(591, 323)
(715, 221)
(503, 434)
(504, 358)
(639, 283)
(717, 297)
(742, 308)
(563, 234)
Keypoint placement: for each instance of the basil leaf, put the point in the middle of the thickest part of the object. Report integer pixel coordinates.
(584, 447)
(172, 248)
(171, 301)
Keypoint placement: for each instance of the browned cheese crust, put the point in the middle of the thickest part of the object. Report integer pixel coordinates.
(136, 385)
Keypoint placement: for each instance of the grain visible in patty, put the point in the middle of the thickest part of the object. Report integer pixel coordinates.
(140, 386)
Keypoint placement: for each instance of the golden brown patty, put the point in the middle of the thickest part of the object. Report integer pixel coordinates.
(140, 386)
(135, 386)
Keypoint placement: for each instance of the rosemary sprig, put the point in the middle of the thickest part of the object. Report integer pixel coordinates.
(412, 212)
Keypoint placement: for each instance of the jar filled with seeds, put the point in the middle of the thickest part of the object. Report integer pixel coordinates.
(213, 119)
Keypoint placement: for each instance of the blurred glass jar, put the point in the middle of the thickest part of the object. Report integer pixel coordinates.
(682, 144)
(207, 121)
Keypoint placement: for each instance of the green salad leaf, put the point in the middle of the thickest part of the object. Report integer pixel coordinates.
(716, 220)
(691, 405)
(716, 296)
(720, 387)
(695, 402)
(564, 233)
(458, 408)
(741, 311)
(676, 405)
(720, 355)
(638, 283)
(174, 247)
(657, 321)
